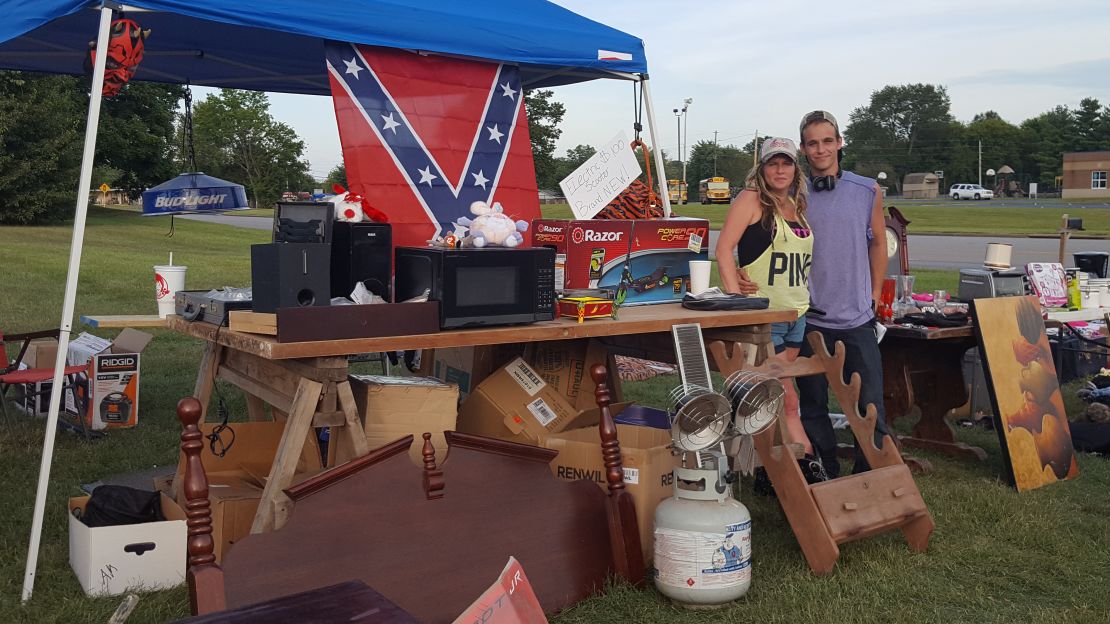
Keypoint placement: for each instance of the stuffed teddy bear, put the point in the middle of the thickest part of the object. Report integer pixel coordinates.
(354, 208)
(490, 227)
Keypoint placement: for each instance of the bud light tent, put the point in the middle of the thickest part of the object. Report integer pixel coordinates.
(278, 45)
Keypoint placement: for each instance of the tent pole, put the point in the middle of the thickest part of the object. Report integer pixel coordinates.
(660, 168)
(69, 299)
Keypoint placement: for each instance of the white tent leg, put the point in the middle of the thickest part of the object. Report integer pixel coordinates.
(660, 169)
(70, 297)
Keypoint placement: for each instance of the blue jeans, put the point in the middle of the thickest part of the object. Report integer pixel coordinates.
(862, 356)
(787, 335)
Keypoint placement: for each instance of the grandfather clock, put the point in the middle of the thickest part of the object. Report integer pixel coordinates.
(897, 255)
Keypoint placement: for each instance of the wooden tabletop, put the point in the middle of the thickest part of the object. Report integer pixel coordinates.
(928, 333)
(123, 320)
(632, 320)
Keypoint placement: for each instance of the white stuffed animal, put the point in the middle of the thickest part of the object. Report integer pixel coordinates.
(491, 227)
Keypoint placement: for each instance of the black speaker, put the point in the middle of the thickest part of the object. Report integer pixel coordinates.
(361, 252)
(290, 275)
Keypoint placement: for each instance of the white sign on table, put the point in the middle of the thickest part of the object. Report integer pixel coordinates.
(601, 178)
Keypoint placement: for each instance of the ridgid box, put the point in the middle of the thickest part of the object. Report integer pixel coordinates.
(646, 458)
(647, 259)
(112, 392)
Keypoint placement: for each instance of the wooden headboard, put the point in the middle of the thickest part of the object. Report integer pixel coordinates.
(429, 539)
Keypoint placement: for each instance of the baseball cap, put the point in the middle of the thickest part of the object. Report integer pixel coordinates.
(777, 145)
(816, 116)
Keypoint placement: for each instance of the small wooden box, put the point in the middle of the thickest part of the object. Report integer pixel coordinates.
(583, 308)
(357, 321)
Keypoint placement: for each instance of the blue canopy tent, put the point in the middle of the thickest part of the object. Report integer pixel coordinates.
(278, 45)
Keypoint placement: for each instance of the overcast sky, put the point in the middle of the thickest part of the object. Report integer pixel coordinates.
(762, 65)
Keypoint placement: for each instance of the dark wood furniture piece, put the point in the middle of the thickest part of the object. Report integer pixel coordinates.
(825, 515)
(428, 539)
(923, 374)
(306, 382)
(352, 601)
(897, 252)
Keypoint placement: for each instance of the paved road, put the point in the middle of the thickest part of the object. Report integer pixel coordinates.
(940, 252)
(254, 223)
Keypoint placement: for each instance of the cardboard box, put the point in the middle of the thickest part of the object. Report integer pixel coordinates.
(236, 480)
(466, 367)
(565, 364)
(647, 461)
(113, 560)
(113, 388)
(516, 404)
(394, 407)
(650, 257)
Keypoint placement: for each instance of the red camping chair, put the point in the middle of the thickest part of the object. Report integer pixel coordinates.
(10, 375)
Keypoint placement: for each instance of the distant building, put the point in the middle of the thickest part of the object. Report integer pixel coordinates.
(920, 186)
(1085, 174)
(111, 197)
(551, 197)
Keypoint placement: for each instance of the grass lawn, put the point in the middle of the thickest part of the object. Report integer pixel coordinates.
(996, 556)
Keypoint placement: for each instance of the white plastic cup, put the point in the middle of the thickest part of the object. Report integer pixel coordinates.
(168, 279)
(699, 276)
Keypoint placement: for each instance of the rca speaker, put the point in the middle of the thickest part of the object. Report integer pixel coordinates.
(361, 252)
(290, 275)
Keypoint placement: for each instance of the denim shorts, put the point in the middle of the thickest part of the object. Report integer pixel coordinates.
(787, 335)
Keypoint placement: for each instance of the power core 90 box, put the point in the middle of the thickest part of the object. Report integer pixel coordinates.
(643, 261)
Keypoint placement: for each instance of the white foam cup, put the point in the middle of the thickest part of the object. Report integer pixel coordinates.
(168, 279)
(699, 276)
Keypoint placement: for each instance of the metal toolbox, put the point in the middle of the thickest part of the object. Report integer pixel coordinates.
(196, 305)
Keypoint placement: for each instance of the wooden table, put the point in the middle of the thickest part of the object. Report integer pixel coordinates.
(306, 382)
(923, 372)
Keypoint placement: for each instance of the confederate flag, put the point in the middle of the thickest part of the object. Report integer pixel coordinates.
(425, 136)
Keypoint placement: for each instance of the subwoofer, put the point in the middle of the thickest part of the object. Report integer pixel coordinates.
(361, 252)
(290, 275)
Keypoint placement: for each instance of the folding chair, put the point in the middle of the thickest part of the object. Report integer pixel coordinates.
(10, 375)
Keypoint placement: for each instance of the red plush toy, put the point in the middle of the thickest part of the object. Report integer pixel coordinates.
(125, 51)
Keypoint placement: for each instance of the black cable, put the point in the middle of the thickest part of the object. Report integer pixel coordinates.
(216, 442)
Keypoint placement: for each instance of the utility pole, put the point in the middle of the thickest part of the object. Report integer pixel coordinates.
(714, 153)
(980, 162)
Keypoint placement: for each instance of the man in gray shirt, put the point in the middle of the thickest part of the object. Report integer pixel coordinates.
(846, 277)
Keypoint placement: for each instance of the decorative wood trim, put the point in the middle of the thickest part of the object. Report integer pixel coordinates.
(308, 487)
(433, 478)
(499, 447)
(206, 580)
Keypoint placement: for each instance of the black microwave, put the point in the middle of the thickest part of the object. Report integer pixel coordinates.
(480, 287)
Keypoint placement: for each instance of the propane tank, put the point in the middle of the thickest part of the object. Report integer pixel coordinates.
(703, 540)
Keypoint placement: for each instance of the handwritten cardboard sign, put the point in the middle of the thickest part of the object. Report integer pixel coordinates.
(601, 178)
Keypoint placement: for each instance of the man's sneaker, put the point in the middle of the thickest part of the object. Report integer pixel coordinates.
(812, 469)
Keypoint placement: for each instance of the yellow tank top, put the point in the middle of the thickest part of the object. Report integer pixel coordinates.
(782, 270)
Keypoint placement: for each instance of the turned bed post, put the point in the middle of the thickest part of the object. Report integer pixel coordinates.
(206, 579)
(624, 532)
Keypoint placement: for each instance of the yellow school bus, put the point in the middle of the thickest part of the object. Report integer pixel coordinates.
(713, 191)
(673, 189)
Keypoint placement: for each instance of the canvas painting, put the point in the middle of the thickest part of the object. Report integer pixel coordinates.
(1029, 409)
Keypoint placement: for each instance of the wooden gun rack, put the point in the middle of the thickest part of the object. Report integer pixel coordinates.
(841, 510)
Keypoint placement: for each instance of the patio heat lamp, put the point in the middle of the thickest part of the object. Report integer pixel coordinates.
(193, 192)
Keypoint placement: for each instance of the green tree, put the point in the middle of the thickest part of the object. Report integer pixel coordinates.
(238, 139)
(565, 165)
(906, 127)
(137, 137)
(1089, 123)
(1001, 140)
(41, 130)
(544, 116)
(337, 175)
(1045, 138)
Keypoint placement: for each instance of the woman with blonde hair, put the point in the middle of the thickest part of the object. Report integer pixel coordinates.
(767, 229)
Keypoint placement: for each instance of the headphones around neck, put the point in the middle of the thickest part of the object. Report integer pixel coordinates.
(825, 182)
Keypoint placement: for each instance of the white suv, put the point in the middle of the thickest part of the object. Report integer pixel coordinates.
(970, 191)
